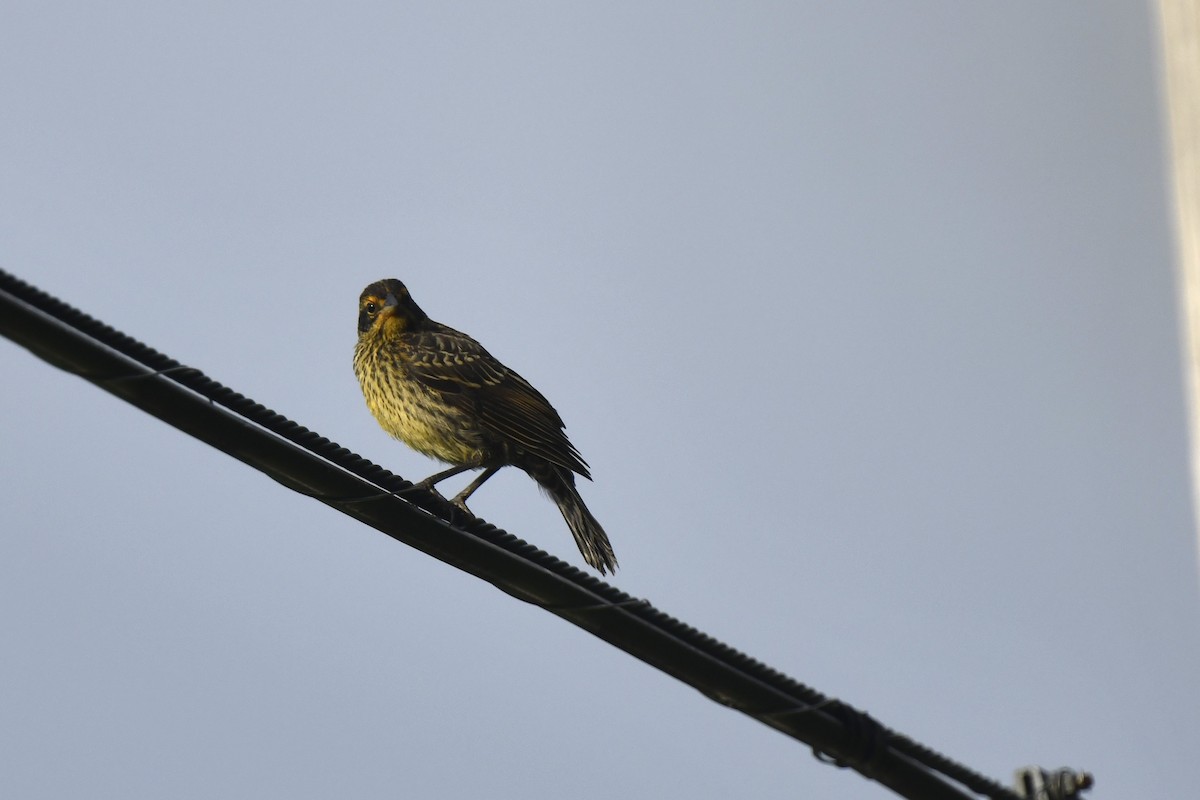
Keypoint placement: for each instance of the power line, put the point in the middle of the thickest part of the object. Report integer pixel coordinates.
(319, 468)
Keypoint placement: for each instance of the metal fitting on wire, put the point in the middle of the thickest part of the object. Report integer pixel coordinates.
(1035, 783)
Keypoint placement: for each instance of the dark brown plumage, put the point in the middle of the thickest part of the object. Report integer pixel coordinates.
(441, 393)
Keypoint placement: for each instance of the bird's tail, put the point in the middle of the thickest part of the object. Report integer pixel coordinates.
(591, 539)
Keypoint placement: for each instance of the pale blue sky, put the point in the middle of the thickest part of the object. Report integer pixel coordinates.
(862, 313)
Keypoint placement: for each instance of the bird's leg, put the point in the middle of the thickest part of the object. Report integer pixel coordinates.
(438, 477)
(460, 499)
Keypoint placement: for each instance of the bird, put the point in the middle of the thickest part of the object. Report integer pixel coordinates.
(440, 392)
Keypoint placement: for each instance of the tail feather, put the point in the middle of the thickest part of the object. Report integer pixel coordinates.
(591, 539)
(589, 536)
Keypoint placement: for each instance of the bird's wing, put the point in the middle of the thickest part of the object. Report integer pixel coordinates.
(451, 361)
(464, 372)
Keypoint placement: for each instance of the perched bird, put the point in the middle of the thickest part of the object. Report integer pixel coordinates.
(438, 391)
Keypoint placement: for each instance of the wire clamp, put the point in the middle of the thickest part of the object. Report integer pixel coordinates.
(1035, 783)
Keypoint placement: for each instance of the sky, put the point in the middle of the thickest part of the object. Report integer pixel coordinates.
(864, 315)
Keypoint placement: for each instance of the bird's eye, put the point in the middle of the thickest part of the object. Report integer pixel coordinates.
(371, 307)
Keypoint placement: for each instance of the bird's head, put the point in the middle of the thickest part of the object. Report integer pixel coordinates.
(386, 307)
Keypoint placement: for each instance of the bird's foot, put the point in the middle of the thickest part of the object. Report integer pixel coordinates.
(424, 486)
(460, 503)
